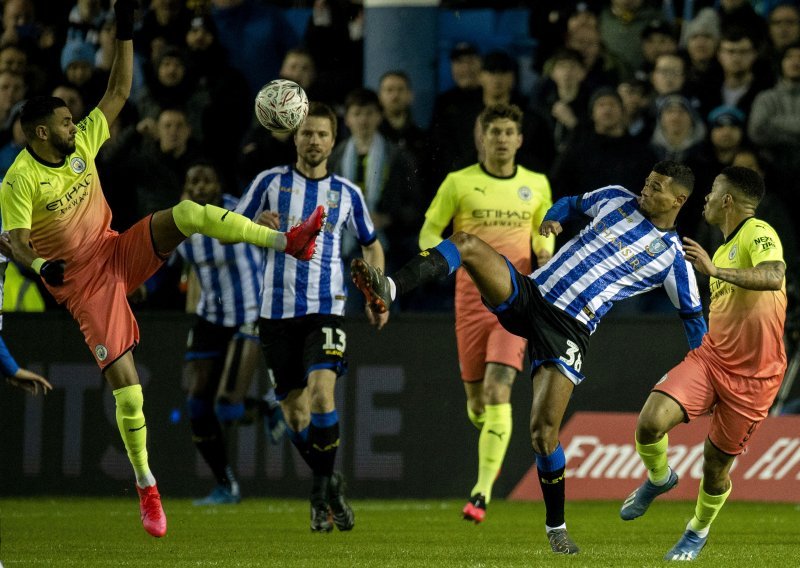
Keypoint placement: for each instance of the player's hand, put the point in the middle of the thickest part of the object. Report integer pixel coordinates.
(5, 245)
(548, 228)
(542, 257)
(378, 320)
(52, 272)
(269, 219)
(698, 256)
(30, 382)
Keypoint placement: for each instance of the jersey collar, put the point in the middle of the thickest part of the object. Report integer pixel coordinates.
(43, 161)
(497, 177)
(736, 230)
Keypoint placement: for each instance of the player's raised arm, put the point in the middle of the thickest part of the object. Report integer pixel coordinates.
(121, 76)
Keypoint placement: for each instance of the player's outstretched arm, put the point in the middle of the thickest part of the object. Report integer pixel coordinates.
(121, 76)
(30, 382)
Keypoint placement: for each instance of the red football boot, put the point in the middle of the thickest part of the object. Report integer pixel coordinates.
(153, 518)
(301, 239)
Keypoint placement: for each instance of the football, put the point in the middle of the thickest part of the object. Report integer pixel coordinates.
(281, 105)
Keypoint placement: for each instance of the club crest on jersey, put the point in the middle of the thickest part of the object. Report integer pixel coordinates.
(734, 250)
(656, 246)
(524, 193)
(77, 164)
(101, 352)
(333, 198)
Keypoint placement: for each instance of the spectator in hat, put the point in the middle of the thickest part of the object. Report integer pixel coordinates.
(679, 132)
(454, 113)
(77, 65)
(658, 38)
(228, 112)
(603, 154)
(699, 43)
(465, 66)
(774, 122)
(621, 26)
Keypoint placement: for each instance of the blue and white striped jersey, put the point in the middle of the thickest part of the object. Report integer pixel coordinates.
(619, 254)
(230, 276)
(295, 288)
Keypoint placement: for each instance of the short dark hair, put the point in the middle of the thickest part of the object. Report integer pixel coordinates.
(680, 174)
(362, 97)
(397, 73)
(37, 111)
(748, 182)
(322, 110)
(500, 110)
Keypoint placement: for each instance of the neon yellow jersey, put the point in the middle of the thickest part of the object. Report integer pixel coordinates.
(504, 212)
(745, 327)
(62, 204)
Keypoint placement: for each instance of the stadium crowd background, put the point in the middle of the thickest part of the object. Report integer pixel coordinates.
(608, 87)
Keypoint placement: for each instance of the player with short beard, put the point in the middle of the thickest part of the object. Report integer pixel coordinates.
(302, 305)
(59, 224)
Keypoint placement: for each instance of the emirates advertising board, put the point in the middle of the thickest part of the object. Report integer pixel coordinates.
(602, 463)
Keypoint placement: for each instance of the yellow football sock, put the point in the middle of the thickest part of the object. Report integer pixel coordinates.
(219, 223)
(707, 508)
(132, 427)
(654, 457)
(476, 419)
(492, 446)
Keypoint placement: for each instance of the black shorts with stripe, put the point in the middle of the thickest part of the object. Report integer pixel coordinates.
(553, 336)
(294, 347)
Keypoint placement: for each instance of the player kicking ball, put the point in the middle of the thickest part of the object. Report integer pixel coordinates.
(59, 224)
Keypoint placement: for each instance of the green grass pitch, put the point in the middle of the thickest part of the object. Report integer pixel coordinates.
(67, 532)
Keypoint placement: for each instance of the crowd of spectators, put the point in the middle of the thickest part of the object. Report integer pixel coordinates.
(620, 84)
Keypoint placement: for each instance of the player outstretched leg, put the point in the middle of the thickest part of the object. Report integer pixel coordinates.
(661, 479)
(132, 427)
(487, 268)
(190, 218)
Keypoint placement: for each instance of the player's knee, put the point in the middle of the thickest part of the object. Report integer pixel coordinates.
(649, 429)
(544, 439)
(188, 217)
(129, 401)
(465, 242)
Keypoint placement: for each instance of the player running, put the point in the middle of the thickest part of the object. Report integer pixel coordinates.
(59, 224)
(628, 247)
(503, 204)
(738, 368)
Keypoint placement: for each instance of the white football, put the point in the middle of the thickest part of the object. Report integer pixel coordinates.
(281, 105)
